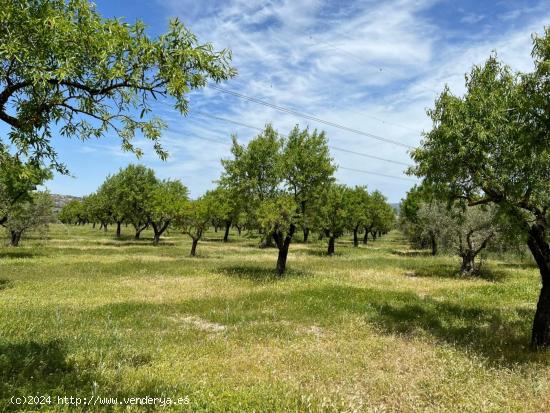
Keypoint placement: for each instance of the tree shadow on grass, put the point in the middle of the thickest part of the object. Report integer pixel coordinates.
(452, 271)
(498, 333)
(18, 253)
(33, 368)
(4, 284)
(260, 274)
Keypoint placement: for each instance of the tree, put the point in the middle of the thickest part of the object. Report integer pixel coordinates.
(113, 194)
(35, 213)
(332, 213)
(255, 172)
(359, 211)
(166, 202)
(73, 213)
(194, 218)
(98, 209)
(492, 146)
(377, 214)
(278, 217)
(226, 208)
(307, 167)
(433, 220)
(471, 233)
(130, 192)
(62, 64)
(18, 180)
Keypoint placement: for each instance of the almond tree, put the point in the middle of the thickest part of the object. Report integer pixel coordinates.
(62, 64)
(492, 146)
(194, 218)
(307, 168)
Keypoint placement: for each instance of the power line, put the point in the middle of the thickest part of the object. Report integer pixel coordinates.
(377, 173)
(310, 117)
(339, 167)
(330, 146)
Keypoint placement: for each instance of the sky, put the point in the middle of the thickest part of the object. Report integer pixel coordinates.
(371, 66)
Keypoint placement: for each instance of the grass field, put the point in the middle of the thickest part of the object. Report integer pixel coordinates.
(376, 329)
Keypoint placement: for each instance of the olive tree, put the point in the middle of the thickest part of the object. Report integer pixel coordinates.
(492, 146)
(35, 213)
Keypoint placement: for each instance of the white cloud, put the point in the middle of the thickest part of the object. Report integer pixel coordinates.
(370, 65)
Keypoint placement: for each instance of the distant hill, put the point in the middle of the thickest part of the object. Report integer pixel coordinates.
(60, 201)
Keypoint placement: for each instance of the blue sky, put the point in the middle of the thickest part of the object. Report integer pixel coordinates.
(370, 65)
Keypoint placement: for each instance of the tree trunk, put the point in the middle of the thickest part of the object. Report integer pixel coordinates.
(118, 225)
(540, 249)
(331, 246)
(283, 246)
(366, 236)
(281, 260)
(467, 267)
(433, 243)
(93, 225)
(227, 228)
(355, 237)
(306, 234)
(239, 230)
(15, 238)
(373, 233)
(194, 247)
(156, 238)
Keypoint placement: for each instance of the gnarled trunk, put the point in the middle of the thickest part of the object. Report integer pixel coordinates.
(540, 249)
(467, 267)
(118, 225)
(158, 230)
(139, 229)
(15, 237)
(366, 236)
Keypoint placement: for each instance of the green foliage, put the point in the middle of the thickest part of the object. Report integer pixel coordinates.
(166, 202)
(278, 215)
(35, 213)
(194, 216)
(332, 211)
(255, 172)
(17, 181)
(491, 145)
(307, 168)
(73, 212)
(62, 63)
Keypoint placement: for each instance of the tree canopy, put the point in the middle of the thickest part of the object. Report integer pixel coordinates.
(62, 63)
(492, 145)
